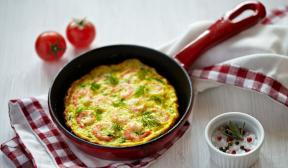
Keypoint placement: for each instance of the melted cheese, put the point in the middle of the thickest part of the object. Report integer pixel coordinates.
(121, 105)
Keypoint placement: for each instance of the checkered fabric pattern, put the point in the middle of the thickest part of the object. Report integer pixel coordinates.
(275, 15)
(244, 78)
(14, 149)
(47, 132)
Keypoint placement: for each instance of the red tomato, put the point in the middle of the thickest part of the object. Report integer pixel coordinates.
(80, 33)
(50, 46)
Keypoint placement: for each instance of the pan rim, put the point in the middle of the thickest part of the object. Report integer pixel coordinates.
(91, 144)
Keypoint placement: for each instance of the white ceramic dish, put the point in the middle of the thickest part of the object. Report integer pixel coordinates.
(226, 160)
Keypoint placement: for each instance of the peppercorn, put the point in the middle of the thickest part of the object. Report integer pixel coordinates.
(249, 139)
(222, 149)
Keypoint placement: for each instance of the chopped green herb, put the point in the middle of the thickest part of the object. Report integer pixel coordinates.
(171, 110)
(119, 103)
(232, 130)
(122, 140)
(82, 85)
(69, 117)
(95, 86)
(149, 120)
(242, 129)
(142, 73)
(158, 80)
(110, 134)
(157, 99)
(98, 114)
(138, 133)
(79, 109)
(155, 79)
(117, 127)
(112, 79)
(116, 130)
(140, 91)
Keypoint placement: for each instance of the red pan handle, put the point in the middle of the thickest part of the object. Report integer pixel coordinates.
(221, 30)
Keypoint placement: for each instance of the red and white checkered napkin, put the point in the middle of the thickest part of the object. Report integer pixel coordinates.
(255, 59)
(38, 143)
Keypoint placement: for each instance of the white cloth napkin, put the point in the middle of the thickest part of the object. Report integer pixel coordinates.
(262, 49)
(260, 52)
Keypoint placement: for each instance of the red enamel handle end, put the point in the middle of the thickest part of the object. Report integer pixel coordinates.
(221, 30)
(255, 6)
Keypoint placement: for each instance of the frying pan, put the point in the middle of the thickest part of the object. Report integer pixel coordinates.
(173, 69)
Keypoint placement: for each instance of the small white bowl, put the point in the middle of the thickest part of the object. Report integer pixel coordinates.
(226, 160)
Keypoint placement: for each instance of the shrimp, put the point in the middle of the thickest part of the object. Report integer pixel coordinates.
(120, 117)
(100, 134)
(162, 116)
(125, 90)
(134, 132)
(80, 94)
(137, 109)
(135, 106)
(98, 78)
(85, 118)
(128, 73)
(101, 100)
(156, 88)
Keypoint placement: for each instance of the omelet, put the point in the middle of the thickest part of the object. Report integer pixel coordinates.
(124, 104)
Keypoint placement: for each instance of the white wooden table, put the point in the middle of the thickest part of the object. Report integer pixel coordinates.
(143, 22)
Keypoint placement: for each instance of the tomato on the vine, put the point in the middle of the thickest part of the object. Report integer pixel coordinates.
(50, 46)
(80, 33)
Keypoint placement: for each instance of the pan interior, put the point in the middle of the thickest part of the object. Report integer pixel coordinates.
(82, 65)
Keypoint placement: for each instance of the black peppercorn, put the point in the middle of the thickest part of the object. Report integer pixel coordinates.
(221, 149)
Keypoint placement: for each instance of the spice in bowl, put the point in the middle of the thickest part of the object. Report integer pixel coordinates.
(234, 138)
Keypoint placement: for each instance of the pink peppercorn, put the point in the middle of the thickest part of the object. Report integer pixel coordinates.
(249, 139)
(219, 138)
